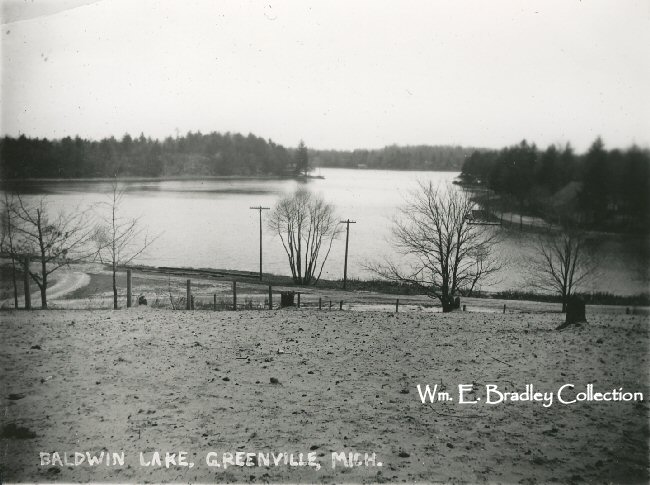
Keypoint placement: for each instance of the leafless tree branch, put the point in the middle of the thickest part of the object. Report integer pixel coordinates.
(443, 254)
(119, 240)
(561, 262)
(52, 241)
(303, 222)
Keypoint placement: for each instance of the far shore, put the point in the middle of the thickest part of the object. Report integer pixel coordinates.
(199, 177)
(179, 178)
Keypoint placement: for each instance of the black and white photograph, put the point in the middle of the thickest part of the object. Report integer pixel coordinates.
(325, 241)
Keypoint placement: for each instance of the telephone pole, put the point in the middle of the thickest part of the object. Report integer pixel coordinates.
(347, 240)
(260, 209)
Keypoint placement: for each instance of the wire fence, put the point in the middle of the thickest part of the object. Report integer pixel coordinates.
(176, 292)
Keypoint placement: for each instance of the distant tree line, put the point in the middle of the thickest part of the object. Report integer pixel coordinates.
(421, 157)
(608, 189)
(192, 154)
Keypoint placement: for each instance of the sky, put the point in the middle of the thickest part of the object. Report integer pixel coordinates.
(336, 74)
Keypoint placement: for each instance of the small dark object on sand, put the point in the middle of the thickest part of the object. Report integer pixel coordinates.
(274, 380)
(15, 397)
(14, 431)
(35, 347)
(286, 298)
(142, 300)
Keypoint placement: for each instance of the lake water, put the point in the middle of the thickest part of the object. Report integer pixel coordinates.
(209, 223)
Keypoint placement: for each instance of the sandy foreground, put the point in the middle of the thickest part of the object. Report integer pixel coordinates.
(147, 380)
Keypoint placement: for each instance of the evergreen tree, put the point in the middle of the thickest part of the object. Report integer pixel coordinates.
(302, 159)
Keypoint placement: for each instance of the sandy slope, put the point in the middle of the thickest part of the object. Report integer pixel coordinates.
(66, 282)
(145, 380)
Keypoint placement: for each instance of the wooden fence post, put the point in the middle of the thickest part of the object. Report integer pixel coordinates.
(504, 308)
(234, 295)
(214, 302)
(320, 303)
(270, 297)
(128, 288)
(298, 299)
(397, 306)
(330, 304)
(341, 305)
(188, 303)
(28, 295)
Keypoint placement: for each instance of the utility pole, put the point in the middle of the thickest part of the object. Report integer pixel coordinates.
(347, 240)
(260, 209)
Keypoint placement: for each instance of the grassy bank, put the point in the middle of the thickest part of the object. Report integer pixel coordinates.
(396, 288)
(159, 283)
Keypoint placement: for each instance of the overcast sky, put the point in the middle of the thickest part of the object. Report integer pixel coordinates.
(338, 74)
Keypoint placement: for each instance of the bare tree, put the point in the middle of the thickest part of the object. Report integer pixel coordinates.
(54, 242)
(446, 253)
(119, 240)
(7, 241)
(561, 262)
(304, 223)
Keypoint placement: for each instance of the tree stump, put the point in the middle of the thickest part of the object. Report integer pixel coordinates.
(575, 312)
(286, 298)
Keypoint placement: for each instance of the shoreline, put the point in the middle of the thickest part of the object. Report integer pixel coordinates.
(530, 222)
(182, 178)
(385, 286)
(198, 177)
(138, 178)
(90, 286)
